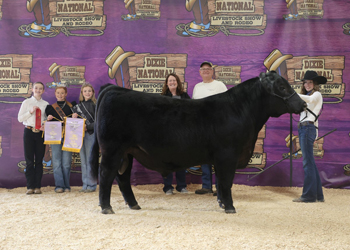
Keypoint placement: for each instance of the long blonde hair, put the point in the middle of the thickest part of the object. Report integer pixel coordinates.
(81, 97)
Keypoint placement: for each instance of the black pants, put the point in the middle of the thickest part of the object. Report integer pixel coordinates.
(34, 148)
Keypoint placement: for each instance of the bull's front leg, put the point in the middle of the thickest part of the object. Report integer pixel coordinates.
(225, 175)
(125, 186)
(107, 176)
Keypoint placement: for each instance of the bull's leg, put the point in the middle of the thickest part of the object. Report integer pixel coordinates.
(125, 186)
(225, 175)
(108, 172)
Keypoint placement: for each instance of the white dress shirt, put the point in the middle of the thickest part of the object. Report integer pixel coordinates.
(24, 114)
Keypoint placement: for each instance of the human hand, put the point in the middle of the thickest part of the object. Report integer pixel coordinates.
(32, 110)
(50, 117)
(74, 115)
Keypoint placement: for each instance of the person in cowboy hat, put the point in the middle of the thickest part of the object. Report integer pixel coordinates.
(308, 123)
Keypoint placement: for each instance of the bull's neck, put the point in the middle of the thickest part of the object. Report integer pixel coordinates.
(252, 101)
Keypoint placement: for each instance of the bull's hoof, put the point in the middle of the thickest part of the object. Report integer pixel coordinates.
(230, 211)
(135, 207)
(222, 205)
(107, 211)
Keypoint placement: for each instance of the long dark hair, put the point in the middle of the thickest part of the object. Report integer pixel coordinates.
(179, 89)
(316, 88)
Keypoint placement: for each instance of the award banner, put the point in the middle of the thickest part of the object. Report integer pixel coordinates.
(53, 132)
(74, 134)
(37, 119)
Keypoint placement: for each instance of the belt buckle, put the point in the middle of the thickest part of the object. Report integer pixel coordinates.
(35, 130)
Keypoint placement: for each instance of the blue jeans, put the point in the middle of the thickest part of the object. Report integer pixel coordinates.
(88, 181)
(207, 180)
(61, 161)
(180, 181)
(312, 189)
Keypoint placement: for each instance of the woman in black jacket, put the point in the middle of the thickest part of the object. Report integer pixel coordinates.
(174, 88)
(86, 109)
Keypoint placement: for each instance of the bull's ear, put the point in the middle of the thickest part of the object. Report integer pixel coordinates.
(261, 76)
(266, 82)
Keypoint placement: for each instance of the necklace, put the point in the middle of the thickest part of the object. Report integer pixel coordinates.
(64, 104)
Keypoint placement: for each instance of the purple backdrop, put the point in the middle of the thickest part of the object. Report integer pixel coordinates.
(303, 37)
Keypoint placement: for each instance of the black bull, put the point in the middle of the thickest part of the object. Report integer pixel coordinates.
(166, 134)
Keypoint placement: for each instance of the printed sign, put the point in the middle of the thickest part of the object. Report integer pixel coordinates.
(15, 75)
(69, 76)
(307, 9)
(213, 16)
(0, 146)
(64, 15)
(77, 14)
(330, 67)
(0, 9)
(145, 9)
(230, 75)
(144, 72)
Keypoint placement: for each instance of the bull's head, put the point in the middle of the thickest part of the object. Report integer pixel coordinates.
(284, 98)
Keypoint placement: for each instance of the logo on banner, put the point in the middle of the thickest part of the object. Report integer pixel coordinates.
(15, 75)
(144, 72)
(68, 76)
(0, 9)
(317, 147)
(346, 28)
(230, 17)
(293, 69)
(144, 9)
(229, 75)
(53, 17)
(307, 9)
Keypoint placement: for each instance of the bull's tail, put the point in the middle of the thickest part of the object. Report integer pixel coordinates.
(94, 157)
(95, 150)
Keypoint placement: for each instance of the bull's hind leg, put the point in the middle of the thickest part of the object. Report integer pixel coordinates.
(108, 172)
(125, 186)
(225, 177)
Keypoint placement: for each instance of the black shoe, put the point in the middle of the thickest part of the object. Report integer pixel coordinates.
(322, 200)
(302, 200)
(215, 193)
(204, 191)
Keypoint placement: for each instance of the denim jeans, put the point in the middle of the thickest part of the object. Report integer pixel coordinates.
(312, 189)
(180, 181)
(61, 161)
(207, 180)
(88, 181)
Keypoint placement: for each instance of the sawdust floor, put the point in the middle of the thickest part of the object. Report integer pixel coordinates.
(266, 218)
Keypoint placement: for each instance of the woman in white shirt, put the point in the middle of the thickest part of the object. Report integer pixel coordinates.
(307, 129)
(32, 115)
